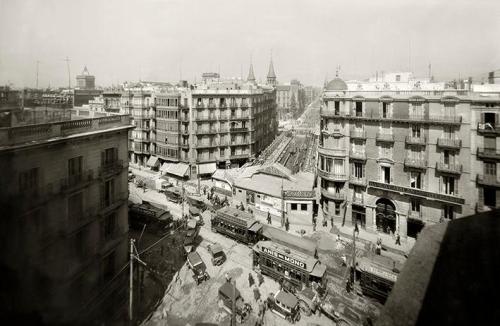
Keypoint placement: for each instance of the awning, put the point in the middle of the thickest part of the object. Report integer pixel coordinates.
(318, 270)
(153, 161)
(255, 227)
(207, 168)
(165, 167)
(179, 169)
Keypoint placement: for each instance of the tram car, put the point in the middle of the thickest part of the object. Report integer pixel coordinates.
(238, 225)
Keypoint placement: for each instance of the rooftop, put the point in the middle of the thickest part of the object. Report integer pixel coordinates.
(451, 274)
(34, 134)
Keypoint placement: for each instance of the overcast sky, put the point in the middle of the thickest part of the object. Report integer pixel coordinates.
(157, 39)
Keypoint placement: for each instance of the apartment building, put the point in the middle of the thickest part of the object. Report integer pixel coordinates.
(64, 224)
(393, 158)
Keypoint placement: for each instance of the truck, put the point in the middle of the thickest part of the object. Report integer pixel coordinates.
(242, 309)
(155, 219)
(285, 305)
(198, 267)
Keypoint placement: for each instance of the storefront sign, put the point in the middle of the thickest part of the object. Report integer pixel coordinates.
(382, 273)
(284, 258)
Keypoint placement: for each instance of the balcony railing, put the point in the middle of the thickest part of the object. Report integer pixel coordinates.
(112, 167)
(385, 137)
(77, 180)
(488, 153)
(488, 180)
(358, 134)
(414, 215)
(238, 129)
(488, 128)
(449, 143)
(113, 201)
(240, 117)
(358, 198)
(206, 131)
(415, 140)
(455, 168)
(211, 105)
(239, 143)
(332, 151)
(200, 105)
(241, 155)
(357, 155)
(357, 181)
(333, 195)
(341, 177)
(420, 118)
(206, 117)
(207, 145)
(417, 192)
(417, 163)
(223, 116)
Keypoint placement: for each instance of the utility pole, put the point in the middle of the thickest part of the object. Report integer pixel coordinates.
(37, 64)
(131, 281)
(69, 73)
(282, 205)
(233, 304)
(354, 254)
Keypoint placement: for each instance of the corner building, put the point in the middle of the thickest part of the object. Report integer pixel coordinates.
(393, 161)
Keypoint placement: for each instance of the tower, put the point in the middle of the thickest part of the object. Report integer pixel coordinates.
(251, 75)
(271, 76)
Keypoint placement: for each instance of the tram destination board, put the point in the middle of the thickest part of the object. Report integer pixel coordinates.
(289, 260)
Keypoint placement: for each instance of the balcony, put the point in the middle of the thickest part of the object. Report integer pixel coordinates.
(184, 131)
(333, 195)
(184, 145)
(222, 105)
(75, 181)
(239, 129)
(357, 181)
(223, 130)
(455, 168)
(184, 118)
(488, 180)
(332, 176)
(415, 140)
(207, 145)
(210, 117)
(241, 155)
(113, 167)
(453, 199)
(357, 155)
(488, 129)
(335, 152)
(223, 116)
(244, 105)
(415, 215)
(211, 105)
(206, 131)
(109, 203)
(358, 198)
(240, 117)
(415, 163)
(449, 143)
(240, 143)
(200, 105)
(488, 153)
(446, 119)
(357, 134)
(385, 137)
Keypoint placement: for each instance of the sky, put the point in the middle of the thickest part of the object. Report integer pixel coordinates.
(164, 40)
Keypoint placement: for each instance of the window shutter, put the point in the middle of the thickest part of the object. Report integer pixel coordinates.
(456, 186)
(102, 195)
(496, 119)
(480, 196)
(482, 117)
(364, 171)
(440, 185)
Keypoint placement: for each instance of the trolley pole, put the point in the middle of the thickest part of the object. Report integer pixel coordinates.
(131, 281)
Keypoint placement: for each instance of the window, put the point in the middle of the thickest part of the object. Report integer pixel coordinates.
(339, 167)
(449, 185)
(489, 118)
(358, 170)
(75, 206)
(385, 110)
(359, 109)
(448, 212)
(109, 226)
(416, 110)
(110, 156)
(294, 207)
(337, 208)
(490, 196)
(75, 166)
(416, 179)
(109, 191)
(490, 168)
(250, 197)
(398, 78)
(337, 107)
(415, 131)
(108, 267)
(28, 179)
(386, 174)
(415, 206)
(303, 207)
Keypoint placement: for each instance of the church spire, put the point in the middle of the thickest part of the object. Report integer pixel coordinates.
(271, 76)
(251, 76)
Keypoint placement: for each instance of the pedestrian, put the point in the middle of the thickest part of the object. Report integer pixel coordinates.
(356, 229)
(398, 239)
(228, 278)
(378, 249)
(256, 293)
(314, 226)
(268, 218)
(331, 221)
(251, 281)
(260, 278)
(287, 225)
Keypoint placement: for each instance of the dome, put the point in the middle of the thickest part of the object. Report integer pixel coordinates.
(336, 84)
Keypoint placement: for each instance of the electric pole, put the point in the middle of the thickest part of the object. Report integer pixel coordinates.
(69, 73)
(37, 64)
(131, 280)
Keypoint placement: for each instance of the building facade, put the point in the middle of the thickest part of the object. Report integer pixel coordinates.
(64, 223)
(393, 159)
